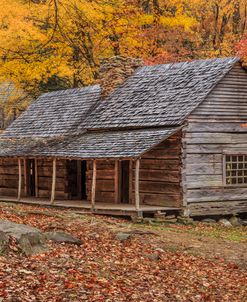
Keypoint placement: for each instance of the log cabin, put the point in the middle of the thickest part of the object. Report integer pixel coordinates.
(171, 137)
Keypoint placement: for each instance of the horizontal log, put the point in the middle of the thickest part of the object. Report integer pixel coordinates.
(160, 175)
(165, 200)
(106, 185)
(218, 208)
(216, 194)
(197, 168)
(158, 187)
(8, 192)
(216, 148)
(204, 158)
(215, 127)
(203, 181)
(160, 164)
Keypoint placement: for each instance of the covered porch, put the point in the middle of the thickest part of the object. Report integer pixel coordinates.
(122, 172)
(126, 190)
(100, 207)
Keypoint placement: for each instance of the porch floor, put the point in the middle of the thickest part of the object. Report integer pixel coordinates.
(100, 207)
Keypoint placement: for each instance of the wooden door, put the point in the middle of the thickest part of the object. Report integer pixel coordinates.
(30, 177)
(124, 181)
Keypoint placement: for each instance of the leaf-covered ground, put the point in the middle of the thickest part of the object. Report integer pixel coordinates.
(106, 269)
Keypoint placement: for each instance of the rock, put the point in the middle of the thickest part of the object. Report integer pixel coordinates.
(123, 236)
(4, 240)
(30, 240)
(244, 222)
(159, 250)
(136, 219)
(185, 220)
(208, 220)
(235, 221)
(154, 256)
(61, 237)
(224, 222)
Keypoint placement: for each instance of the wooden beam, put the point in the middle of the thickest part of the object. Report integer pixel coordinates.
(53, 188)
(137, 191)
(36, 177)
(25, 176)
(93, 186)
(116, 182)
(19, 183)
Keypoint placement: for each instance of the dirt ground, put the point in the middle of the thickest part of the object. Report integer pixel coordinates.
(157, 263)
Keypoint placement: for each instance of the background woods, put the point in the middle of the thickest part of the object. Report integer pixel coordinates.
(52, 44)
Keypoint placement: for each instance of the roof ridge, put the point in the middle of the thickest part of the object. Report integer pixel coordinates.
(70, 90)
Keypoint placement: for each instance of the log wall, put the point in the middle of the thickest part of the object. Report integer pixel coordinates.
(45, 179)
(216, 127)
(160, 174)
(9, 177)
(105, 177)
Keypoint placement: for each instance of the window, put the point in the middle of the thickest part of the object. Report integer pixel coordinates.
(235, 169)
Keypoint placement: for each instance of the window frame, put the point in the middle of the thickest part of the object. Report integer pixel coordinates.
(224, 169)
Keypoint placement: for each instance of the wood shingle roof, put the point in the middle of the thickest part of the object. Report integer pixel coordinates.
(55, 113)
(150, 106)
(103, 144)
(161, 95)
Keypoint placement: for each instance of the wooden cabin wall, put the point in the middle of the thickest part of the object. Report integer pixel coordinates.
(9, 177)
(160, 174)
(45, 178)
(216, 127)
(105, 179)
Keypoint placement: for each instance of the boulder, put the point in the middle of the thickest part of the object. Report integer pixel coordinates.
(123, 236)
(235, 221)
(154, 256)
(30, 240)
(61, 237)
(224, 222)
(209, 220)
(4, 243)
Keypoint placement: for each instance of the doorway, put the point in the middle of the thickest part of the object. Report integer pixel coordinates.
(76, 175)
(124, 181)
(30, 177)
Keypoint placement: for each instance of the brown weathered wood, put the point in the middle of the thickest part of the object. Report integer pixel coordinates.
(36, 177)
(25, 176)
(93, 185)
(53, 188)
(137, 189)
(131, 182)
(116, 182)
(20, 179)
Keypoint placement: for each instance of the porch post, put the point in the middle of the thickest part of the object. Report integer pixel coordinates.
(36, 177)
(20, 180)
(137, 193)
(93, 186)
(116, 182)
(53, 188)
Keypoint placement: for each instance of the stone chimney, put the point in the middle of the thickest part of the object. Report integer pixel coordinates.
(114, 71)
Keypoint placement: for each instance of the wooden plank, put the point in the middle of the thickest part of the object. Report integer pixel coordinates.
(116, 182)
(53, 187)
(218, 208)
(93, 186)
(131, 182)
(137, 189)
(172, 200)
(25, 176)
(36, 177)
(216, 194)
(20, 179)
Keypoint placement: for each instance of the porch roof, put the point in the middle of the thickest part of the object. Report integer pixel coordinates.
(89, 145)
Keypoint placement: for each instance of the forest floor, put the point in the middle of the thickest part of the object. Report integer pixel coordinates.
(157, 263)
